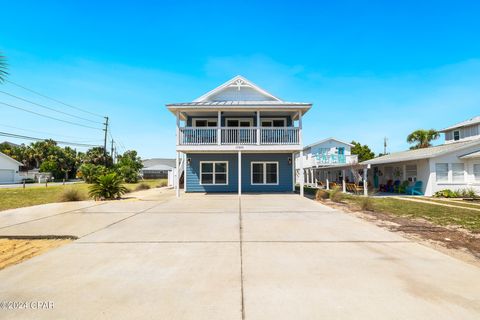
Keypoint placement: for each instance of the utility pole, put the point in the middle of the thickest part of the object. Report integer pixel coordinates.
(111, 151)
(105, 140)
(385, 146)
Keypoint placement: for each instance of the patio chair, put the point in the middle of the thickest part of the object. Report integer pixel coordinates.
(402, 187)
(394, 186)
(416, 189)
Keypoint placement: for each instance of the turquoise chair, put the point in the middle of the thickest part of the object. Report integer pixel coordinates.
(416, 189)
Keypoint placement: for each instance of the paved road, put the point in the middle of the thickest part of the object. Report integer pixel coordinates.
(30, 185)
(215, 257)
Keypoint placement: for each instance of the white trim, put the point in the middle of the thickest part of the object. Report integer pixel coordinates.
(194, 122)
(213, 174)
(231, 82)
(250, 120)
(264, 163)
(271, 120)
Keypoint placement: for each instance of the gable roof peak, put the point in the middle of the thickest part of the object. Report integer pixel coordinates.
(232, 90)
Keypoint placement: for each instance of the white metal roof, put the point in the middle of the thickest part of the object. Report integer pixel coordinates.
(325, 140)
(471, 155)
(424, 153)
(469, 122)
(158, 167)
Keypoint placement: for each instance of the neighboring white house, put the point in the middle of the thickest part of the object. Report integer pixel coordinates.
(157, 168)
(9, 169)
(453, 165)
(324, 154)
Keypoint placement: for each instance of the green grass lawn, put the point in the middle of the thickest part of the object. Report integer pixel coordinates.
(460, 203)
(440, 215)
(18, 197)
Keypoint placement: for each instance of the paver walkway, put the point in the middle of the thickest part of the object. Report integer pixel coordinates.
(215, 257)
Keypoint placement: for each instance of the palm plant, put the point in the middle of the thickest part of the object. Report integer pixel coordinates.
(3, 68)
(422, 138)
(109, 186)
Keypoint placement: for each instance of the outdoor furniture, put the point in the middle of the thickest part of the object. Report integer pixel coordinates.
(402, 187)
(416, 189)
(352, 187)
(387, 187)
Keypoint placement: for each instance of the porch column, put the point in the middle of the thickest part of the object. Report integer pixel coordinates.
(294, 174)
(315, 175)
(326, 179)
(177, 177)
(184, 172)
(219, 125)
(404, 168)
(258, 127)
(177, 114)
(239, 173)
(344, 184)
(300, 128)
(365, 180)
(302, 177)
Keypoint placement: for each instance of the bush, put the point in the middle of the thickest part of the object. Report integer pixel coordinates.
(128, 174)
(28, 180)
(108, 186)
(163, 183)
(321, 195)
(336, 195)
(307, 190)
(71, 195)
(142, 186)
(52, 167)
(366, 204)
(446, 193)
(90, 172)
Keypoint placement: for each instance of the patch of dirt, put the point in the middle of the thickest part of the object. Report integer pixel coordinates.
(13, 251)
(453, 241)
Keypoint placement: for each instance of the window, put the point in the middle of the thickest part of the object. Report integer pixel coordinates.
(476, 172)
(411, 172)
(239, 122)
(204, 122)
(214, 172)
(456, 135)
(458, 172)
(264, 172)
(441, 170)
(274, 123)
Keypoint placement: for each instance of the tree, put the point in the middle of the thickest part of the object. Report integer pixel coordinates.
(3, 68)
(128, 166)
(422, 138)
(363, 151)
(108, 186)
(96, 156)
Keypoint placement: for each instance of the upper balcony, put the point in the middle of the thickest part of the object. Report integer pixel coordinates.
(192, 136)
(328, 159)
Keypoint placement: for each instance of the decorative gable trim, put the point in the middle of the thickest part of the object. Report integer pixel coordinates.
(236, 82)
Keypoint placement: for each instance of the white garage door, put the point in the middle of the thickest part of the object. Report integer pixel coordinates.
(6, 176)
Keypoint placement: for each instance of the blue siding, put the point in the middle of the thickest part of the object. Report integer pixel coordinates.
(284, 170)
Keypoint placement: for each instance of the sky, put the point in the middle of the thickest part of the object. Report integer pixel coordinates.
(372, 69)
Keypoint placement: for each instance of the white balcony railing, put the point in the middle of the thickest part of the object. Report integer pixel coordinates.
(239, 136)
(319, 160)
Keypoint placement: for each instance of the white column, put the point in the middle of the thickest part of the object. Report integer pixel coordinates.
(315, 179)
(219, 126)
(404, 168)
(327, 173)
(177, 177)
(344, 184)
(300, 138)
(185, 172)
(294, 175)
(302, 179)
(178, 127)
(239, 173)
(258, 127)
(312, 178)
(365, 181)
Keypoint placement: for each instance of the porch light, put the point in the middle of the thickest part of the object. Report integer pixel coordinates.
(189, 160)
(289, 160)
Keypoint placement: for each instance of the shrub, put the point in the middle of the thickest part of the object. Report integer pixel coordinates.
(163, 183)
(336, 195)
(71, 195)
(321, 194)
(142, 186)
(108, 186)
(467, 193)
(366, 204)
(446, 193)
(128, 173)
(90, 172)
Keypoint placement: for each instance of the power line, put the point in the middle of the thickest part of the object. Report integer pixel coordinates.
(53, 99)
(49, 117)
(18, 136)
(49, 108)
(49, 133)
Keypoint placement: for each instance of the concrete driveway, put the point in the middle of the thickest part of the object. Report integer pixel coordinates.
(215, 257)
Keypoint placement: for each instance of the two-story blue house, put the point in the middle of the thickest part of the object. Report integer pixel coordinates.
(238, 137)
